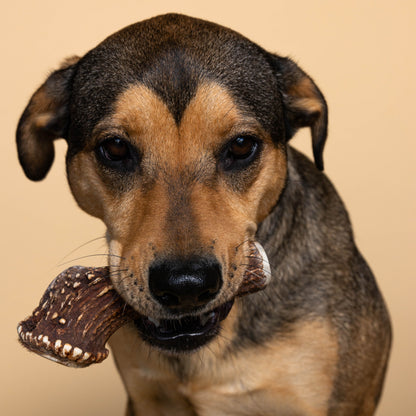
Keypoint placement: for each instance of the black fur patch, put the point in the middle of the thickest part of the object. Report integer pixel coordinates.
(174, 79)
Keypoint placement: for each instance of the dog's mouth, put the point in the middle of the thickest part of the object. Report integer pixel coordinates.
(185, 334)
(192, 332)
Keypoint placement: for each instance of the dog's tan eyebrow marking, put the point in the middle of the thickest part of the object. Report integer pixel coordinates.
(141, 113)
(210, 117)
(214, 110)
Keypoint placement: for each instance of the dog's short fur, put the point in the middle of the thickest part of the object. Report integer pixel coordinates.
(177, 133)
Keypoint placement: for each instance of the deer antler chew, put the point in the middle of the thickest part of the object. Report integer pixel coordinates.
(77, 314)
(80, 310)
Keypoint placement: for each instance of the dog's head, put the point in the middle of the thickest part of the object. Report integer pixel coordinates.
(177, 131)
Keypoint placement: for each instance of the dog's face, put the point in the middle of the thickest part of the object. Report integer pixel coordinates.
(177, 132)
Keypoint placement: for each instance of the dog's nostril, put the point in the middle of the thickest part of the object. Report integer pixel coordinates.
(168, 299)
(181, 284)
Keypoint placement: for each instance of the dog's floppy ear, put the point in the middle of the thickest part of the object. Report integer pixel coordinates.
(44, 120)
(304, 105)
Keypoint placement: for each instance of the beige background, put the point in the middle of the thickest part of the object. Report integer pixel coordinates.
(361, 54)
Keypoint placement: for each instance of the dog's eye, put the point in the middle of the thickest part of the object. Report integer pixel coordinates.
(242, 147)
(115, 149)
(116, 153)
(240, 152)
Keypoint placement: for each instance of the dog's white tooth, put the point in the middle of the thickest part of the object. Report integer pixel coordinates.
(154, 321)
(266, 264)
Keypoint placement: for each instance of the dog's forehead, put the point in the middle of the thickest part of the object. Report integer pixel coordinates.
(173, 55)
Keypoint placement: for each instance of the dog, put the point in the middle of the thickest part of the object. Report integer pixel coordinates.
(177, 133)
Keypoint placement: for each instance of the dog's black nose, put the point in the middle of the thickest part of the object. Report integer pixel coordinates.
(185, 284)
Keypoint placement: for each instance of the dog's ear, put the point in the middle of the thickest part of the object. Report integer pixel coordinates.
(44, 120)
(304, 105)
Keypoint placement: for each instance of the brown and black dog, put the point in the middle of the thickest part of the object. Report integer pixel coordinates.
(177, 133)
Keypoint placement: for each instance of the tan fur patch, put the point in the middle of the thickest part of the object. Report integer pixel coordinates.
(41, 111)
(291, 375)
(305, 96)
(34, 142)
(87, 186)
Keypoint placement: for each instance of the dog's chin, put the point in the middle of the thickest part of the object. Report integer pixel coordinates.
(183, 335)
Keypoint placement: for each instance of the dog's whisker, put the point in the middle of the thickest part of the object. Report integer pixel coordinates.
(124, 277)
(258, 258)
(252, 272)
(250, 266)
(81, 246)
(116, 273)
(90, 255)
(243, 242)
(257, 284)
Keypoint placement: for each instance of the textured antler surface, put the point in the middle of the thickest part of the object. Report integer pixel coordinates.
(257, 274)
(77, 314)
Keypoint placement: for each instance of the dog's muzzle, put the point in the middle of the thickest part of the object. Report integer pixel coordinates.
(185, 287)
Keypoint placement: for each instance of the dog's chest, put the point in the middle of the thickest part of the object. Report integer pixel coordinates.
(216, 391)
(287, 378)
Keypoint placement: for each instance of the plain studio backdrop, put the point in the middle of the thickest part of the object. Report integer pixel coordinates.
(362, 56)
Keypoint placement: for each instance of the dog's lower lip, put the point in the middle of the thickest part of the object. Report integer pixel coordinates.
(186, 334)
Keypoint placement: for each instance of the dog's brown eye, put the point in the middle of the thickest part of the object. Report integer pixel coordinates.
(115, 149)
(116, 153)
(240, 152)
(242, 147)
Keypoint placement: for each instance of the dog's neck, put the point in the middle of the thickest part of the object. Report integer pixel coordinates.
(300, 237)
(301, 223)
